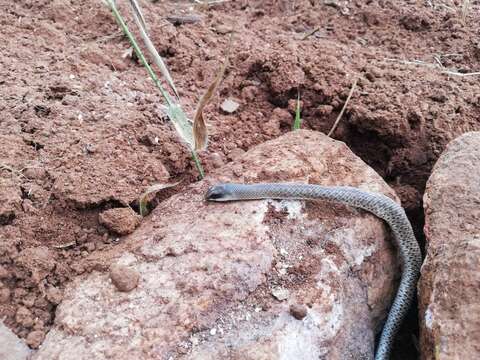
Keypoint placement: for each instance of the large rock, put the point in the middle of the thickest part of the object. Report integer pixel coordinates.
(450, 284)
(11, 347)
(231, 281)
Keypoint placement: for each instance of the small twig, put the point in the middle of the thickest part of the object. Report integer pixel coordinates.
(434, 66)
(456, 73)
(310, 33)
(354, 85)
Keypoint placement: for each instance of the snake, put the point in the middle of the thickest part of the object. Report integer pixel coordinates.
(378, 204)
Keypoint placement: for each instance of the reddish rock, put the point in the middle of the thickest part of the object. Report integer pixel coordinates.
(208, 271)
(121, 221)
(124, 278)
(298, 311)
(450, 282)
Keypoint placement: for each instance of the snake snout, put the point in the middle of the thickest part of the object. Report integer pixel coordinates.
(216, 193)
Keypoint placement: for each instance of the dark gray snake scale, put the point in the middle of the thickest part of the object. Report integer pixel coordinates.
(379, 205)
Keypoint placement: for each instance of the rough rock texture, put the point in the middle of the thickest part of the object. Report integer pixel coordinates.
(11, 347)
(450, 284)
(82, 129)
(209, 271)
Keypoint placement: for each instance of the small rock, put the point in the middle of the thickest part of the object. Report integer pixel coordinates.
(124, 278)
(121, 221)
(298, 311)
(229, 106)
(332, 3)
(280, 294)
(223, 29)
(194, 340)
(216, 160)
(90, 148)
(35, 338)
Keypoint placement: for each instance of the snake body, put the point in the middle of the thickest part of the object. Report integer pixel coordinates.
(379, 205)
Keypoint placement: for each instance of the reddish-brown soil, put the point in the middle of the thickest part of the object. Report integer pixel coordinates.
(82, 130)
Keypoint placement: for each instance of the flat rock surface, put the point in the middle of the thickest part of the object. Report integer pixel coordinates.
(11, 347)
(219, 280)
(450, 284)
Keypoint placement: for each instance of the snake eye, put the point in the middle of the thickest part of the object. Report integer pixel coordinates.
(214, 193)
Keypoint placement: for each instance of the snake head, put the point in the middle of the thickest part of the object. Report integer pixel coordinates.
(218, 192)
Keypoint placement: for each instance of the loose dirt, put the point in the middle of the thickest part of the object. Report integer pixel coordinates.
(83, 131)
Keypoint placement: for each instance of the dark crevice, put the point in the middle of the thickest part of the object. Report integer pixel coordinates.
(37, 146)
(7, 218)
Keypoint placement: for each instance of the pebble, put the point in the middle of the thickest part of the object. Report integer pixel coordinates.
(229, 106)
(124, 278)
(216, 160)
(298, 311)
(280, 293)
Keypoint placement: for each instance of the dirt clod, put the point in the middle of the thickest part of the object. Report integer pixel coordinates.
(24, 317)
(121, 221)
(35, 338)
(124, 278)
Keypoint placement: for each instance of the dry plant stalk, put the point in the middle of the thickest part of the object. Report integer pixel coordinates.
(200, 133)
(140, 20)
(354, 85)
(142, 202)
(465, 9)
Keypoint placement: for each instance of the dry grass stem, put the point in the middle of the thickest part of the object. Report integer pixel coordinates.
(200, 134)
(433, 66)
(140, 20)
(352, 89)
(142, 202)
